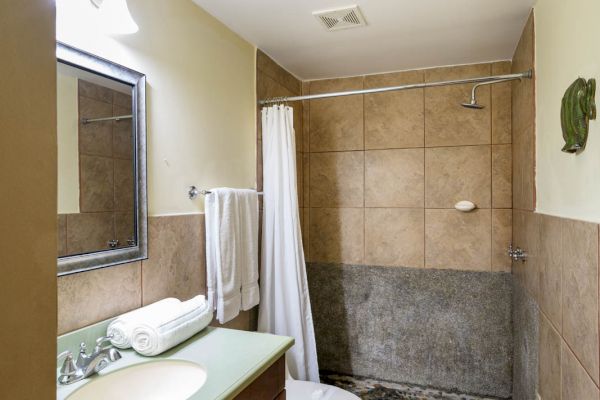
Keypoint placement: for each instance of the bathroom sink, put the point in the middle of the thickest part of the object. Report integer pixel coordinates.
(164, 379)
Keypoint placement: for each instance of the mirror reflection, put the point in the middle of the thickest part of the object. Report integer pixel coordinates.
(96, 167)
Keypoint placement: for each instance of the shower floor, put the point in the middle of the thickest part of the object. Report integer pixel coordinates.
(373, 389)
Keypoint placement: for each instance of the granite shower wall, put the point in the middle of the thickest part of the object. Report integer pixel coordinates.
(556, 291)
(381, 176)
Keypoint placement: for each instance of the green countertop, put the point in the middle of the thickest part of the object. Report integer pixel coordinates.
(232, 358)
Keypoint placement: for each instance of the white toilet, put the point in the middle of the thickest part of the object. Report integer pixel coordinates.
(302, 390)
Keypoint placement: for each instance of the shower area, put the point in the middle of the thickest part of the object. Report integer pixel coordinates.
(412, 297)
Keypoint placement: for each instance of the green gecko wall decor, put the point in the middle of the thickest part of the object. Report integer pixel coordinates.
(578, 107)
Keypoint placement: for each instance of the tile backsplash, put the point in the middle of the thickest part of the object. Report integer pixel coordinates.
(176, 267)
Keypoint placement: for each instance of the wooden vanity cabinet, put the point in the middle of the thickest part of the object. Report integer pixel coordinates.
(270, 385)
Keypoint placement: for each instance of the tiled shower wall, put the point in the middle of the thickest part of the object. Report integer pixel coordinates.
(105, 174)
(556, 291)
(382, 172)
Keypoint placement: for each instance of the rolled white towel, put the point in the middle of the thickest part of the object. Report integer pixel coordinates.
(159, 333)
(121, 328)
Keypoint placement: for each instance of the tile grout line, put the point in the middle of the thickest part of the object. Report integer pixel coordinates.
(425, 265)
(364, 176)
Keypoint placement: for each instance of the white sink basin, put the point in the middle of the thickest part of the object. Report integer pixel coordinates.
(154, 380)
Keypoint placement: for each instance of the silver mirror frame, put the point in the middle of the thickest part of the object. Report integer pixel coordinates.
(78, 263)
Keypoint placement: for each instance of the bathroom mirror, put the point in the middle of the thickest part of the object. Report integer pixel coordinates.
(101, 121)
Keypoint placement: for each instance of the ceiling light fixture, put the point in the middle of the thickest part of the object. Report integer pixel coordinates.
(115, 16)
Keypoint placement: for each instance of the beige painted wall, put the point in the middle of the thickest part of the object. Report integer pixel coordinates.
(567, 35)
(28, 200)
(201, 96)
(68, 144)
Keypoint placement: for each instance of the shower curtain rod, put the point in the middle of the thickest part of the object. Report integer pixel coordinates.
(491, 79)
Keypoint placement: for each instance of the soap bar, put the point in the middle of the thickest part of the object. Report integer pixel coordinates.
(465, 206)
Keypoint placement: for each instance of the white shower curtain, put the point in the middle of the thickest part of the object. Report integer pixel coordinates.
(285, 305)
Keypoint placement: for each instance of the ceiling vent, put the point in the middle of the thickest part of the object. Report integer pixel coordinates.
(340, 18)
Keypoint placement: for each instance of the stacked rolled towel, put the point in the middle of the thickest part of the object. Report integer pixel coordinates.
(121, 329)
(158, 333)
(157, 327)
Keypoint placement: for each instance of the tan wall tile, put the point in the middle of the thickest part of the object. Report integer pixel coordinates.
(580, 292)
(124, 185)
(95, 138)
(122, 141)
(337, 179)
(524, 169)
(94, 91)
(532, 247)
(306, 179)
(501, 239)
(61, 227)
(305, 232)
(305, 118)
(269, 67)
(394, 237)
(394, 119)
(447, 123)
(453, 174)
(176, 264)
(551, 264)
(300, 179)
(122, 100)
(523, 123)
(124, 228)
(576, 384)
(96, 184)
(336, 235)
(89, 232)
(549, 361)
(93, 296)
(336, 124)
(502, 176)
(394, 178)
(501, 105)
(455, 240)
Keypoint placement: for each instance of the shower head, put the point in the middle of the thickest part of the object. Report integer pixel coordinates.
(473, 103)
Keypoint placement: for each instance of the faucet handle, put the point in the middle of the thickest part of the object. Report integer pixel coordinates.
(68, 368)
(102, 340)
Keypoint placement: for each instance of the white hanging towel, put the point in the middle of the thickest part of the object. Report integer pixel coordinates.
(232, 251)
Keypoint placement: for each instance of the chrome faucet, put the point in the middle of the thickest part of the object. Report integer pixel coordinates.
(517, 254)
(87, 364)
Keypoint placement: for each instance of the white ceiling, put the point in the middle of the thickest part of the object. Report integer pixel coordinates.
(400, 34)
